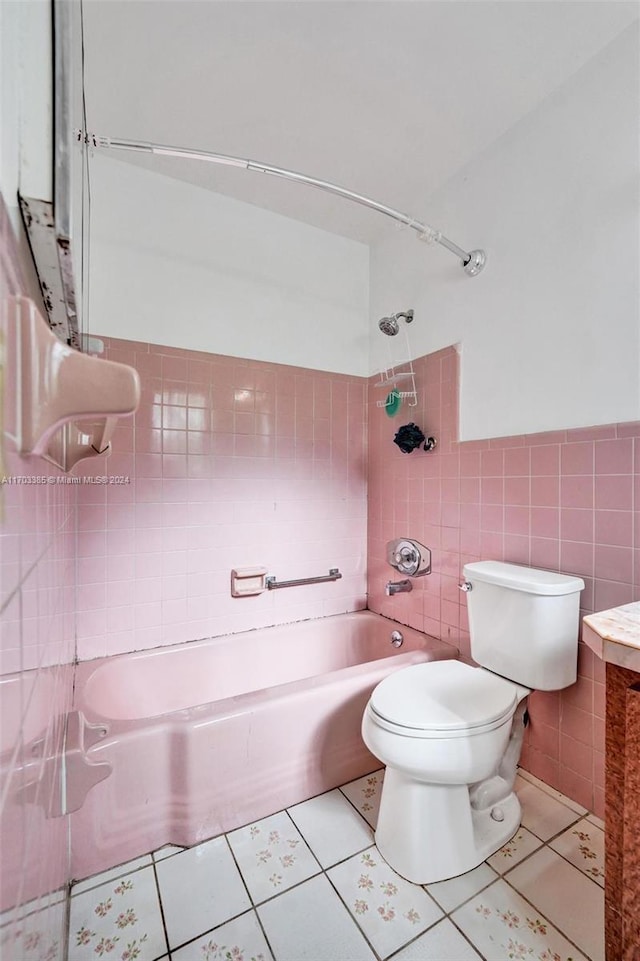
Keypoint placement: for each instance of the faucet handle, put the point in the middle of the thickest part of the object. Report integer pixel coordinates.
(409, 557)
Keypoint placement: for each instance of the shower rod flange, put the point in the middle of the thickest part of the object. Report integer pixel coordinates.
(473, 262)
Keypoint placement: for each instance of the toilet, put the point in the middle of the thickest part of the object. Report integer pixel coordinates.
(450, 733)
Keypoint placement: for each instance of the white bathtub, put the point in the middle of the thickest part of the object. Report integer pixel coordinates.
(207, 736)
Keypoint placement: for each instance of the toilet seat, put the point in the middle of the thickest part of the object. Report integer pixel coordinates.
(443, 699)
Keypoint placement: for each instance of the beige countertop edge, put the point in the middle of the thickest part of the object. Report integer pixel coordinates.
(614, 636)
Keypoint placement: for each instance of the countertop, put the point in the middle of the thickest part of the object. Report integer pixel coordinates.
(615, 635)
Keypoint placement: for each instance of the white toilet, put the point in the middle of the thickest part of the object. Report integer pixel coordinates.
(450, 734)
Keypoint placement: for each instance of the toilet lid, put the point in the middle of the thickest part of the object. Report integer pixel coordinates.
(443, 696)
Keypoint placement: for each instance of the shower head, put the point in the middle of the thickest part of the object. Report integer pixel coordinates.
(390, 325)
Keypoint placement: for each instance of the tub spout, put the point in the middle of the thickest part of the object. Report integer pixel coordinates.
(398, 587)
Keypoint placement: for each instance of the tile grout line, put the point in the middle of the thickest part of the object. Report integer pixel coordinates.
(254, 907)
(161, 906)
(322, 870)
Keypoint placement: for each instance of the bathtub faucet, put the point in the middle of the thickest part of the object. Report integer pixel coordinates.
(398, 587)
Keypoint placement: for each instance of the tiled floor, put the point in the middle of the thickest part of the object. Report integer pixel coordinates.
(308, 884)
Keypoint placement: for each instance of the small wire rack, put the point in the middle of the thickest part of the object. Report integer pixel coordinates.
(400, 379)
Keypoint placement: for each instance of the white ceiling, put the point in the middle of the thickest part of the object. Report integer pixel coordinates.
(388, 99)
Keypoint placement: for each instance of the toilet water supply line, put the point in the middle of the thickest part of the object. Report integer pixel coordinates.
(472, 261)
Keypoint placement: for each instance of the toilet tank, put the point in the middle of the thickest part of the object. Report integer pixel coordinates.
(524, 623)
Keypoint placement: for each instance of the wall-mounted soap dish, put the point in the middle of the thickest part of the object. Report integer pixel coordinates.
(66, 403)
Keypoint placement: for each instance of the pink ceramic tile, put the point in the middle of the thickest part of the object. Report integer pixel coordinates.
(577, 458)
(545, 553)
(614, 527)
(576, 525)
(492, 517)
(492, 490)
(576, 557)
(545, 522)
(577, 491)
(613, 563)
(516, 549)
(517, 462)
(614, 456)
(516, 520)
(492, 463)
(614, 492)
(517, 490)
(545, 459)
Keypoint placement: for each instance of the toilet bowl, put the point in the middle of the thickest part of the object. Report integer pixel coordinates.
(450, 734)
(441, 733)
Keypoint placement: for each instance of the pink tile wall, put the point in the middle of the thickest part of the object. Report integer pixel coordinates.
(37, 597)
(563, 500)
(227, 463)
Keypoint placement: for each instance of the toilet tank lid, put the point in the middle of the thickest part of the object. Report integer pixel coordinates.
(527, 579)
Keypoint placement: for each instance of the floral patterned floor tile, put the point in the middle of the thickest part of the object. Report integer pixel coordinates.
(38, 936)
(272, 856)
(365, 794)
(118, 921)
(238, 940)
(390, 910)
(97, 879)
(583, 845)
(505, 928)
(521, 844)
(569, 899)
(454, 892)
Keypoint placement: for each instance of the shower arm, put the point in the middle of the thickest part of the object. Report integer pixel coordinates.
(472, 261)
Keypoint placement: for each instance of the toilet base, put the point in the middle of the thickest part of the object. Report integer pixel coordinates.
(430, 832)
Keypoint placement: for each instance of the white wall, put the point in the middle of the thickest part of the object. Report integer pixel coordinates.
(550, 330)
(178, 265)
(26, 100)
(26, 112)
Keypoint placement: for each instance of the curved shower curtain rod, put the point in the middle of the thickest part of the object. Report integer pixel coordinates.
(472, 261)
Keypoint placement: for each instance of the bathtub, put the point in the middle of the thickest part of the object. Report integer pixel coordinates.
(207, 736)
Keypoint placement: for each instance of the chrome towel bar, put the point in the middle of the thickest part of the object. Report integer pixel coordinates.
(333, 575)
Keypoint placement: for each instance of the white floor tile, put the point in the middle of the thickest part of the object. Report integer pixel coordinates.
(39, 936)
(542, 814)
(122, 915)
(200, 888)
(166, 852)
(118, 872)
(583, 845)
(442, 943)
(365, 794)
(238, 940)
(390, 910)
(569, 802)
(331, 827)
(272, 856)
(310, 923)
(599, 823)
(521, 844)
(450, 894)
(569, 899)
(504, 927)
(12, 915)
